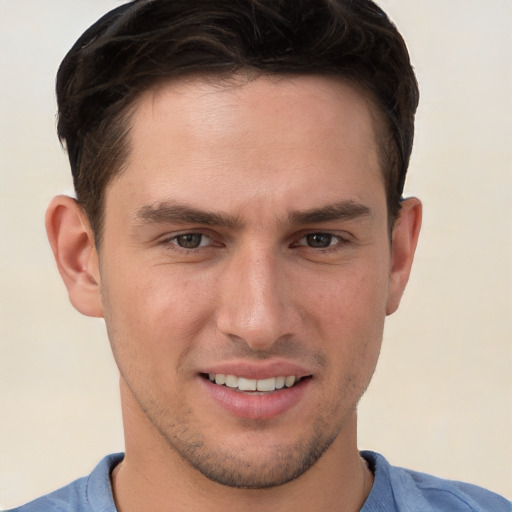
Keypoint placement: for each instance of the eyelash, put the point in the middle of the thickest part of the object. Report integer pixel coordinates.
(340, 242)
(172, 242)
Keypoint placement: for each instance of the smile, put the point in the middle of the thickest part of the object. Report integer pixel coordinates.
(263, 385)
(255, 398)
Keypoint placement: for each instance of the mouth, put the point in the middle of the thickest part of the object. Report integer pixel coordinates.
(254, 386)
(258, 393)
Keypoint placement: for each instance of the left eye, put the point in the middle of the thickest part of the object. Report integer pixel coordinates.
(191, 240)
(319, 240)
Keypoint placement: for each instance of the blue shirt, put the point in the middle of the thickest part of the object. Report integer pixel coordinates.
(394, 490)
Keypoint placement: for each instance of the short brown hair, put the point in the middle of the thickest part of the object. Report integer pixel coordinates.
(143, 42)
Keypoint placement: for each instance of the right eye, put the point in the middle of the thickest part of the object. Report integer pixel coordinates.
(190, 240)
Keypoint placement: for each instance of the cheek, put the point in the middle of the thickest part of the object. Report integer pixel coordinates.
(153, 317)
(355, 297)
(349, 314)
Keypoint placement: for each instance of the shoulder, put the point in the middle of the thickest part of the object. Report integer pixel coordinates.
(87, 494)
(412, 491)
(70, 497)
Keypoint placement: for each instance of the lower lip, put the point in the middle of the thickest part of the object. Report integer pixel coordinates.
(253, 406)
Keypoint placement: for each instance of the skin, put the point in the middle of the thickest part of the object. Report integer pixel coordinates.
(261, 174)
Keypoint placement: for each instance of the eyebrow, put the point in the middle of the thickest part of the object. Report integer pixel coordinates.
(170, 212)
(342, 210)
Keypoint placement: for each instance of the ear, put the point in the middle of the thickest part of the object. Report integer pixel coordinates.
(72, 242)
(403, 245)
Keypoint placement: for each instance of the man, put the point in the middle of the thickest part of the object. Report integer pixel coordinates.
(239, 224)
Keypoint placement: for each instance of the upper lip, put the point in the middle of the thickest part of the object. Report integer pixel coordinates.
(255, 370)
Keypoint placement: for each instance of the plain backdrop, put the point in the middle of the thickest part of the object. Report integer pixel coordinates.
(441, 399)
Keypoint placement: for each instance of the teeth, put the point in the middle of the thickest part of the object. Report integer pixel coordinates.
(263, 385)
(231, 381)
(246, 384)
(289, 381)
(266, 384)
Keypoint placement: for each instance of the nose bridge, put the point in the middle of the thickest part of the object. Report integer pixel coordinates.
(255, 305)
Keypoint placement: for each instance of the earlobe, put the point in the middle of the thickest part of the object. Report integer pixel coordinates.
(405, 238)
(72, 243)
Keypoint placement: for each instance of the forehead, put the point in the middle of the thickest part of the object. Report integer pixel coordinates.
(215, 108)
(276, 140)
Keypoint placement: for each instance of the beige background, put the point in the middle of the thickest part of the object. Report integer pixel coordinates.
(441, 399)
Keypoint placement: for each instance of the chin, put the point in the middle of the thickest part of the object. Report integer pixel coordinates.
(254, 468)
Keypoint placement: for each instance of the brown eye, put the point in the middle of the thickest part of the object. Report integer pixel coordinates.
(319, 240)
(189, 240)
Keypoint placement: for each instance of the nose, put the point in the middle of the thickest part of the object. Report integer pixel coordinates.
(256, 300)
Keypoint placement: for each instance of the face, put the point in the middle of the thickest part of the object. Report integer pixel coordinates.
(245, 272)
